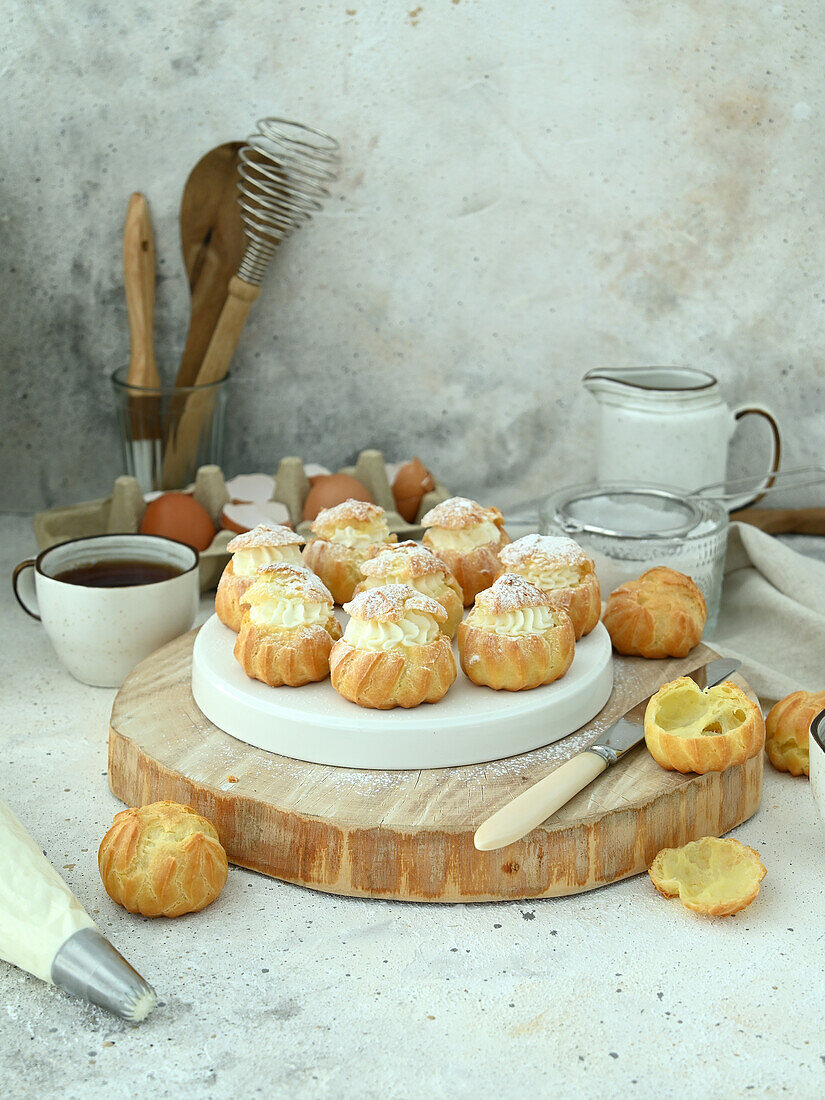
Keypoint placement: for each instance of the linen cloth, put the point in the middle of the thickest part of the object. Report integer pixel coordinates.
(773, 614)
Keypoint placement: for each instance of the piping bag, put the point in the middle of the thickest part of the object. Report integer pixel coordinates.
(44, 929)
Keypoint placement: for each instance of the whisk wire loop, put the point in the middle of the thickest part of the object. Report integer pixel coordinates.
(285, 169)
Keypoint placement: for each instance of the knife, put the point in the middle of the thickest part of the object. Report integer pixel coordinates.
(543, 799)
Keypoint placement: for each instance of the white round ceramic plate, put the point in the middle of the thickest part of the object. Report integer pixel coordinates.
(469, 725)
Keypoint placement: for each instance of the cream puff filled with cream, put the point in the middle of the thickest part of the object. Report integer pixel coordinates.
(288, 627)
(560, 567)
(409, 563)
(467, 537)
(345, 536)
(514, 638)
(263, 545)
(393, 653)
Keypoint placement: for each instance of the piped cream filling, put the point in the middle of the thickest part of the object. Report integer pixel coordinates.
(516, 624)
(246, 563)
(415, 628)
(550, 579)
(430, 584)
(278, 613)
(358, 536)
(463, 538)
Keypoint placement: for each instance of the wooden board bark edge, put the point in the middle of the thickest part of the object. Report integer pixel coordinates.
(442, 865)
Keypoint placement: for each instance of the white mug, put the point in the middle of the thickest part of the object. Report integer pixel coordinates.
(100, 634)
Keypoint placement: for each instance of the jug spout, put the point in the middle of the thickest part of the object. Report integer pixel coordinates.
(614, 380)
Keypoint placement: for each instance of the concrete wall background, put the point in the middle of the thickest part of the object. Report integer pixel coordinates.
(529, 190)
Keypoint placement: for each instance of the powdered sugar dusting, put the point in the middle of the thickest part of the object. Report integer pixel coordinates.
(289, 580)
(407, 557)
(544, 550)
(511, 592)
(347, 512)
(459, 512)
(265, 534)
(390, 602)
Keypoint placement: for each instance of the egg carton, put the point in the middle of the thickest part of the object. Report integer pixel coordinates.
(122, 511)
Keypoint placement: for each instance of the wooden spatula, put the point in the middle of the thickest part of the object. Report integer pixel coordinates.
(213, 242)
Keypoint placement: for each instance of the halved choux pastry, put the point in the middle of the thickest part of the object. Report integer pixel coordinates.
(467, 537)
(288, 627)
(691, 730)
(710, 876)
(561, 567)
(514, 638)
(263, 545)
(392, 653)
(345, 536)
(662, 614)
(409, 563)
(787, 727)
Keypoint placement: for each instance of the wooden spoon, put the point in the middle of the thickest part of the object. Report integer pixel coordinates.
(213, 243)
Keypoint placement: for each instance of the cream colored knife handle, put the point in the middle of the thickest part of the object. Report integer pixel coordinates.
(537, 803)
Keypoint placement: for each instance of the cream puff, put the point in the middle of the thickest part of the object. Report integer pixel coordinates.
(162, 860)
(392, 653)
(409, 563)
(515, 638)
(288, 627)
(263, 545)
(560, 567)
(467, 537)
(662, 614)
(345, 536)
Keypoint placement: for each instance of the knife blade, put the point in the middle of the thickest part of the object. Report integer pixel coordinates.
(533, 806)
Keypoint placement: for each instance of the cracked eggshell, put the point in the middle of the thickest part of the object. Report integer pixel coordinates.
(244, 516)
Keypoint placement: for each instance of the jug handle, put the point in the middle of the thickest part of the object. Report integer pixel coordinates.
(776, 451)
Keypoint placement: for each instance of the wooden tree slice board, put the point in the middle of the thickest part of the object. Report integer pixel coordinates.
(408, 835)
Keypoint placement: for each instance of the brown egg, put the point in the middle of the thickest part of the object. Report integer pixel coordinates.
(178, 516)
(412, 481)
(334, 489)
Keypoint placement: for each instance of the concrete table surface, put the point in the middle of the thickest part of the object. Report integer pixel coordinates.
(281, 992)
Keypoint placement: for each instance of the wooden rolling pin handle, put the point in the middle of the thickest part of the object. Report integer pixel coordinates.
(542, 800)
(227, 331)
(784, 521)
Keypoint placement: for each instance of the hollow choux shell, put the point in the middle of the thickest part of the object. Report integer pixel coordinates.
(690, 730)
(710, 876)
